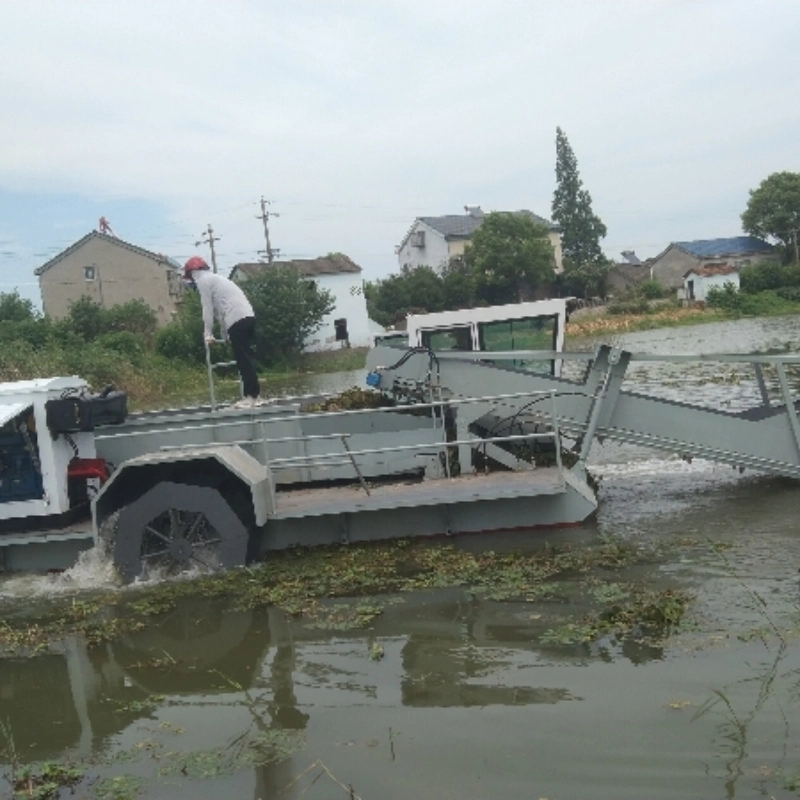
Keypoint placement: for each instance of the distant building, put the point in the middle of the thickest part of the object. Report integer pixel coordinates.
(670, 266)
(626, 275)
(435, 241)
(348, 323)
(698, 280)
(110, 272)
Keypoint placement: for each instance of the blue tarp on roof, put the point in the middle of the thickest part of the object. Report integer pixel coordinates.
(717, 248)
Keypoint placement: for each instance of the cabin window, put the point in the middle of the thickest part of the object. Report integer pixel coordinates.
(458, 337)
(530, 333)
(20, 468)
(89, 273)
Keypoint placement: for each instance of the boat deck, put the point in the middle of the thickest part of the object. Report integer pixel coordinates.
(443, 491)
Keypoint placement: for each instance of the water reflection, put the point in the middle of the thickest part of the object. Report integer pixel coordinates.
(450, 652)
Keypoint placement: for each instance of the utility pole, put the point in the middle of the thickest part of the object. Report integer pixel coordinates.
(209, 240)
(265, 215)
(794, 237)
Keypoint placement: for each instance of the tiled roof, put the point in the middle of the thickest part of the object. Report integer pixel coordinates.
(720, 248)
(336, 264)
(168, 262)
(464, 225)
(712, 269)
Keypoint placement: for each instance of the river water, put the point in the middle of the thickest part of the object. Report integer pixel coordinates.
(466, 701)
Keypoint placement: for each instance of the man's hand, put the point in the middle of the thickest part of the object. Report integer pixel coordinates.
(210, 340)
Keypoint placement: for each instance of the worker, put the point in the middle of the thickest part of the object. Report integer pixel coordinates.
(223, 299)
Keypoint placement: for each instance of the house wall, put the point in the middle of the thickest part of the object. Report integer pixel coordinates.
(120, 275)
(435, 253)
(702, 283)
(348, 292)
(670, 267)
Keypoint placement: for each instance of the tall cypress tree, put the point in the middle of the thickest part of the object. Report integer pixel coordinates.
(581, 228)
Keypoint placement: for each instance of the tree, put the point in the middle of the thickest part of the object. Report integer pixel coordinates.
(14, 309)
(288, 310)
(458, 285)
(773, 210)
(585, 280)
(418, 290)
(135, 317)
(86, 318)
(509, 256)
(581, 228)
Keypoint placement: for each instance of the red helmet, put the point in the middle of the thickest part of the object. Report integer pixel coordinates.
(195, 262)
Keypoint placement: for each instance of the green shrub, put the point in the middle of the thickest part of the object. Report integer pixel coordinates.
(790, 293)
(731, 301)
(767, 275)
(650, 289)
(125, 343)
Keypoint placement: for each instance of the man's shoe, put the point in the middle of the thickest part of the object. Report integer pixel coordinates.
(245, 402)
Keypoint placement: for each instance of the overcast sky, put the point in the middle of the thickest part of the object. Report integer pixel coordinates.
(356, 116)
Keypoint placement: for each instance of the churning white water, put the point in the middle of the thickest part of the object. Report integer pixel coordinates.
(93, 570)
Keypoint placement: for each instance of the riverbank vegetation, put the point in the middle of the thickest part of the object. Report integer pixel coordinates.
(164, 366)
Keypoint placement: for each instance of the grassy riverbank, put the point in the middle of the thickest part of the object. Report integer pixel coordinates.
(152, 381)
(602, 323)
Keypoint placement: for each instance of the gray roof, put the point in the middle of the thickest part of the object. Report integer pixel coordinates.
(335, 264)
(719, 248)
(462, 226)
(167, 262)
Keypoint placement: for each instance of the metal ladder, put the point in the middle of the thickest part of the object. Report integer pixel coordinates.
(211, 366)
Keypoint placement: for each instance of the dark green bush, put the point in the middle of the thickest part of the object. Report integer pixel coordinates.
(650, 289)
(125, 343)
(767, 275)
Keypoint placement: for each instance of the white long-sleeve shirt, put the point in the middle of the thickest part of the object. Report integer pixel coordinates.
(221, 298)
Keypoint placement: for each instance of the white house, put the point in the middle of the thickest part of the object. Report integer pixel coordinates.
(698, 280)
(435, 241)
(348, 324)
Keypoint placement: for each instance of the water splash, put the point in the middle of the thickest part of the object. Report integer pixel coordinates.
(93, 570)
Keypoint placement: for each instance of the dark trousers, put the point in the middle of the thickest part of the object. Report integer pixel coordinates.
(242, 336)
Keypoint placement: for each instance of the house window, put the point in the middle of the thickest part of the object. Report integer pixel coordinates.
(690, 287)
(418, 239)
(89, 273)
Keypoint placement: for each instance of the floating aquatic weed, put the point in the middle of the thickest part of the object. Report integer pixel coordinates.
(297, 581)
(45, 781)
(343, 616)
(611, 593)
(375, 652)
(120, 787)
(627, 611)
(266, 747)
(570, 633)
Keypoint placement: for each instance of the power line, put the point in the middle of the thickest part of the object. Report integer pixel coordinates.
(209, 240)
